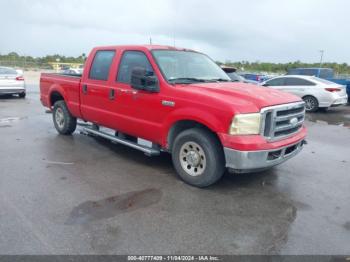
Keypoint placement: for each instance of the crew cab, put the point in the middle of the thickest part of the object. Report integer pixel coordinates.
(159, 98)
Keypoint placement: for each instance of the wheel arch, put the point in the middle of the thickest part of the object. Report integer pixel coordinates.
(56, 94)
(317, 102)
(309, 95)
(184, 124)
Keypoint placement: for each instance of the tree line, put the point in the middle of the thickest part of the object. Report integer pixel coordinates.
(339, 68)
(15, 59)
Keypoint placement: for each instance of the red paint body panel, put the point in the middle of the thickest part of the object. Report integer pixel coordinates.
(142, 114)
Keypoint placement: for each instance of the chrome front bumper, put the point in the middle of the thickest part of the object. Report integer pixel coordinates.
(250, 161)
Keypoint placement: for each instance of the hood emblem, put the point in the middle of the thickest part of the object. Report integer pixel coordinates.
(293, 122)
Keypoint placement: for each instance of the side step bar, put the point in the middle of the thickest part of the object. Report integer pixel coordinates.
(147, 150)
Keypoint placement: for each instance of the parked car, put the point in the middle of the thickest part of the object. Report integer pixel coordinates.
(64, 67)
(316, 92)
(235, 77)
(324, 73)
(73, 71)
(159, 98)
(255, 77)
(12, 82)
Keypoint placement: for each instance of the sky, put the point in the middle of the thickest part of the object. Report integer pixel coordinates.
(249, 30)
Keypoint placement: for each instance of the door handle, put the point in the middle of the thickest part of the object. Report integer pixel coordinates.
(111, 94)
(85, 89)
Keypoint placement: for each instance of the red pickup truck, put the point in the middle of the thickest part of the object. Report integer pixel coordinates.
(160, 98)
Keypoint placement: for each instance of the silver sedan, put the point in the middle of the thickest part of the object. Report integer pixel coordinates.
(316, 92)
(12, 82)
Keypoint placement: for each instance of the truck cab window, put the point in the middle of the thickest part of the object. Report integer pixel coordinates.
(100, 66)
(130, 61)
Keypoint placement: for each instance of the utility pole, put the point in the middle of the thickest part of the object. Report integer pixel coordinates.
(321, 52)
(150, 40)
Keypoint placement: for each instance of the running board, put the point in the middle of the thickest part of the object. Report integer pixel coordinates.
(147, 150)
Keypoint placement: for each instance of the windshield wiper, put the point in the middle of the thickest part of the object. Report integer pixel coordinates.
(192, 79)
(219, 80)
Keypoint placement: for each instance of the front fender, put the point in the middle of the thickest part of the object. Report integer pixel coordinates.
(216, 123)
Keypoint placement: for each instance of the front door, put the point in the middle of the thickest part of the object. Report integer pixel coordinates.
(141, 113)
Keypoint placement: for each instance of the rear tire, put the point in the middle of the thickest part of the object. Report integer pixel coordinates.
(311, 103)
(63, 120)
(198, 157)
(22, 95)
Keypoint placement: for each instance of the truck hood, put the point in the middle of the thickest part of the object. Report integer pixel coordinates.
(245, 96)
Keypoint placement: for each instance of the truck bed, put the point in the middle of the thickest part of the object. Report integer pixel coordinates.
(68, 85)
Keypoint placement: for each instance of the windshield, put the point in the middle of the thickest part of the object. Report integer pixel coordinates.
(188, 67)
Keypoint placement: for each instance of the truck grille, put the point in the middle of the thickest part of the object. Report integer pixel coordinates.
(283, 120)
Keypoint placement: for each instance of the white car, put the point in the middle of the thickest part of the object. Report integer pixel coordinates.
(12, 82)
(73, 71)
(316, 92)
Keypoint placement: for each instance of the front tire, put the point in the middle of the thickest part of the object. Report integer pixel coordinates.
(311, 103)
(22, 95)
(63, 120)
(198, 157)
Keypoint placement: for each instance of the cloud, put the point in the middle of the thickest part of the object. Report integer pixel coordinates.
(269, 30)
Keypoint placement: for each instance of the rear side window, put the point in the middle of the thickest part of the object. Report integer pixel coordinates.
(292, 81)
(276, 82)
(130, 61)
(101, 65)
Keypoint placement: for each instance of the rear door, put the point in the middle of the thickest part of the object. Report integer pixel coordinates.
(95, 87)
(299, 86)
(293, 85)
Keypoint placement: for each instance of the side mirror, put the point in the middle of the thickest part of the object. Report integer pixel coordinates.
(141, 81)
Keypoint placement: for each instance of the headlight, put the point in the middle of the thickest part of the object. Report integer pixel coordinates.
(245, 124)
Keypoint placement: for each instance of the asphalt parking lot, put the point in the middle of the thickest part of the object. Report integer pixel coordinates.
(80, 195)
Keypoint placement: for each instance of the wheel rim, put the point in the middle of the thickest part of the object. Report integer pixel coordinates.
(192, 158)
(310, 103)
(59, 118)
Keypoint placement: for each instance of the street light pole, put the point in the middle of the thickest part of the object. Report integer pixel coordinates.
(321, 51)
